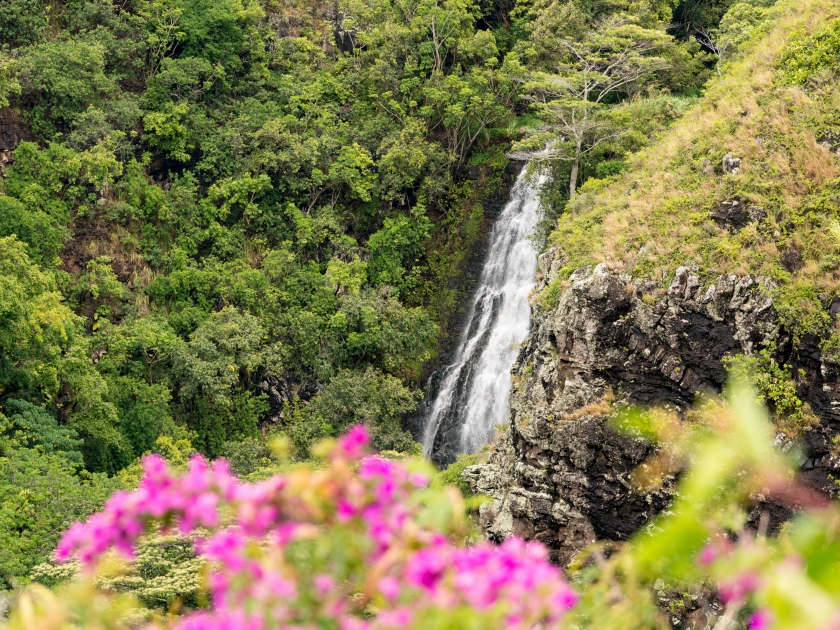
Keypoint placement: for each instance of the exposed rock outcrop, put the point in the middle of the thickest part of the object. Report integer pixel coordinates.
(731, 164)
(12, 132)
(735, 216)
(559, 474)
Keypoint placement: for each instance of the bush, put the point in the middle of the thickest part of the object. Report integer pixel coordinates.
(41, 494)
(165, 571)
(60, 80)
(452, 474)
(41, 233)
(359, 543)
(371, 398)
(775, 386)
(247, 456)
(609, 168)
(811, 55)
(32, 426)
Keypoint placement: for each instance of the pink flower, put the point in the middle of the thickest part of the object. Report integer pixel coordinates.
(345, 511)
(261, 539)
(324, 584)
(374, 467)
(397, 618)
(355, 442)
(389, 586)
(352, 623)
(427, 566)
(708, 555)
(738, 587)
(718, 547)
(761, 619)
(566, 598)
(419, 480)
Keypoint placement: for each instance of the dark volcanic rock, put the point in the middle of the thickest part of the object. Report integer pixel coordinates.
(792, 259)
(12, 132)
(559, 474)
(731, 214)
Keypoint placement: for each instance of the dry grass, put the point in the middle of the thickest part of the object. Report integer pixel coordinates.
(597, 409)
(664, 221)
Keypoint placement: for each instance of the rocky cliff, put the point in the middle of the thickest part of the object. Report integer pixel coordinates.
(558, 474)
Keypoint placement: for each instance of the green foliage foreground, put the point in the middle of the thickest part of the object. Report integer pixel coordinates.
(701, 554)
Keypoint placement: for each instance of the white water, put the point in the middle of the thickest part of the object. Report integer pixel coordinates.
(474, 389)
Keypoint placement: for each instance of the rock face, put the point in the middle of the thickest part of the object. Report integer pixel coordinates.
(12, 133)
(735, 216)
(731, 164)
(558, 474)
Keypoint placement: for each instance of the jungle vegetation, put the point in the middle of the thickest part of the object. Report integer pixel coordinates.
(224, 221)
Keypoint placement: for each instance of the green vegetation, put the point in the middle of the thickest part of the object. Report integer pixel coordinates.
(452, 475)
(775, 387)
(41, 495)
(704, 560)
(235, 220)
(774, 107)
(165, 574)
(810, 58)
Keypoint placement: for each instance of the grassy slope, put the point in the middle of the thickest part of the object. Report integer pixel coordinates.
(662, 203)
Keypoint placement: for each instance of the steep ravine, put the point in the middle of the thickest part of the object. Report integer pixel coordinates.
(559, 474)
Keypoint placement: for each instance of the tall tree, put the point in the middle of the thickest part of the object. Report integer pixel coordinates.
(611, 61)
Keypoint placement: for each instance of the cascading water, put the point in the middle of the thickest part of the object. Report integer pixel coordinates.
(472, 396)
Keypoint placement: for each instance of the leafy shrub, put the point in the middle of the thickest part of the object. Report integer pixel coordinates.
(395, 248)
(165, 131)
(61, 79)
(775, 386)
(609, 168)
(43, 354)
(32, 426)
(371, 398)
(165, 571)
(333, 548)
(246, 456)
(452, 474)
(810, 55)
(40, 495)
(22, 21)
(43, 235)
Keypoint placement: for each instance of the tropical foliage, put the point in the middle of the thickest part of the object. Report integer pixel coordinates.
(363, 543)
(227, 222)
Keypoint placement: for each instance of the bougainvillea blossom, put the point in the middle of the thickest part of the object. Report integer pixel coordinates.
(350, 544)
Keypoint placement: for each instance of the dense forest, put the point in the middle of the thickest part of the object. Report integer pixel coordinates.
(226, 221)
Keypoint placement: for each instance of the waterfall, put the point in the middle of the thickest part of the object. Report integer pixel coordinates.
(472, 396)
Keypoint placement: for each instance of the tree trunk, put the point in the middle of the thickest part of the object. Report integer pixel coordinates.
(573, 178)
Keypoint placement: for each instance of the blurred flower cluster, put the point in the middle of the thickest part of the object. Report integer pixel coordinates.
(355, 545)
(362, 543)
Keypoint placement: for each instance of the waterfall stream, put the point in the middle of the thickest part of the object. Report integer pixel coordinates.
(472, 396)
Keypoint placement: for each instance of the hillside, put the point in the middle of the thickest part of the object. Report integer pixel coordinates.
(683, 202)
(227, 222)
(233, 230)
(715, 252)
